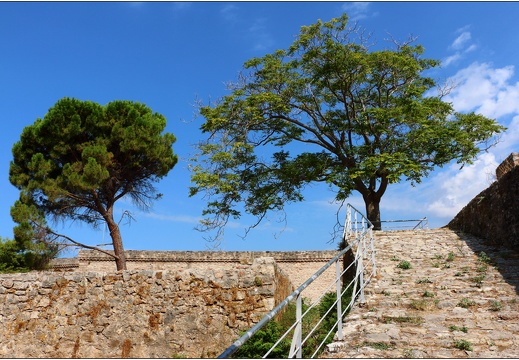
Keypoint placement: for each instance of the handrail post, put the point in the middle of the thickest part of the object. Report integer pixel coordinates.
(360, 273)
(296, 339)
(339, 302)
(347, 229)
(372, 244)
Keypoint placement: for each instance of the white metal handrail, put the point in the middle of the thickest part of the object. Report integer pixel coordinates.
(421, 224)
(358, 234)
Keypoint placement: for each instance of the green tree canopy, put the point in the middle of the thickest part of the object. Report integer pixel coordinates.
(14, 258)
(328, 109)
(83, 157)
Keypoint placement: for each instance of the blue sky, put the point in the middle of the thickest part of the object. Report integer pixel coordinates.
(169, 54)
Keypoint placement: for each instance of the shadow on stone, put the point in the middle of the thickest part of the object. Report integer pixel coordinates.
(504, 260)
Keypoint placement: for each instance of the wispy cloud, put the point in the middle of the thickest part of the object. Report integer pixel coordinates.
(462, 45)
(229, 12)
(262, 39)
(461, 40)
(181, 5)
(358, 10)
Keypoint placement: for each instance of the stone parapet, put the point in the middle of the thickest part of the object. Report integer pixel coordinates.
(209, 256)
(493, 214)
(508, 164)
(135, 313)
(298, 265)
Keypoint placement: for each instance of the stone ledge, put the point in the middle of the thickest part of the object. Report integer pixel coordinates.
(209, 256)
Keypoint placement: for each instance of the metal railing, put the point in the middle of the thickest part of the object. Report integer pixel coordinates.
(358, 235)
(421, 224)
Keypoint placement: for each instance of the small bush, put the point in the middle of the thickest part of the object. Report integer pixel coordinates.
(495, 305)
(463, 345)
(428, 294)
(478, 279)
(424, 281)
(404, 264)
(378, 345)
(266, 337)
(466, 303)
(457, 328)
(483, 257)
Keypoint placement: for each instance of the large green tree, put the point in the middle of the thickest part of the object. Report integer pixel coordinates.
(329, 109)
(80, 159)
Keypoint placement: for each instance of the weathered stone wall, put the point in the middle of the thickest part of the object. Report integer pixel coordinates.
(508, 164)
(493, 215)
(135, 313)
(298, 265)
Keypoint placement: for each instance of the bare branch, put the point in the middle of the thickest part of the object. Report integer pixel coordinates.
(47, 230)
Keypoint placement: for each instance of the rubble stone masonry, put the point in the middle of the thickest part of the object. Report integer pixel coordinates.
(135, 313)
(298, 265)
(493, 214)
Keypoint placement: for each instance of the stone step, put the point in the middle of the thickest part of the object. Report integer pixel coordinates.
(453, 301)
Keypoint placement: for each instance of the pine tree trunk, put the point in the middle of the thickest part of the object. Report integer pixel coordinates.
(117, 241)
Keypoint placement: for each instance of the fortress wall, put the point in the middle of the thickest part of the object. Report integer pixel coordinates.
(135, 313)
(298, 265)
(493, 214)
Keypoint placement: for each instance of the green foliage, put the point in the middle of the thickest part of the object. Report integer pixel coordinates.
(463, 345)
(466, 303)
(14, 258)
(483, 257)
(451, 256)
(262, 341)
(428, 294)
(327, 109)
(378, 345)
(404, 264)
(495, 305)
(457, 328)
(81, 158)
(424, 281)
(266, 337)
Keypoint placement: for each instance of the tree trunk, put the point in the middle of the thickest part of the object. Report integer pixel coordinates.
(117, 241)
(373, 211)
(347, 259)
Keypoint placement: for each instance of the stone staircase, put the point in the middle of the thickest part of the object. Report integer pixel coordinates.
(437, 294)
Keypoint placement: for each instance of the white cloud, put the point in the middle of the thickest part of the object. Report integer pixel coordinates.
(454, 188)
(229, 12)
(486, 90)
(461, 45)
(181, 5)
(491, 92)
(357, 10)
(451, 59)
(461, 40)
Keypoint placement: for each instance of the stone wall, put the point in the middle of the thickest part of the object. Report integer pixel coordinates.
(493, 215)
(135, 313)
(298, 265)
(508, 164)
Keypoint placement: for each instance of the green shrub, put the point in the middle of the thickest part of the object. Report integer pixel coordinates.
(15, 258)
(463, 345)
(405, 265)
(466, 303)
(266, 337)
